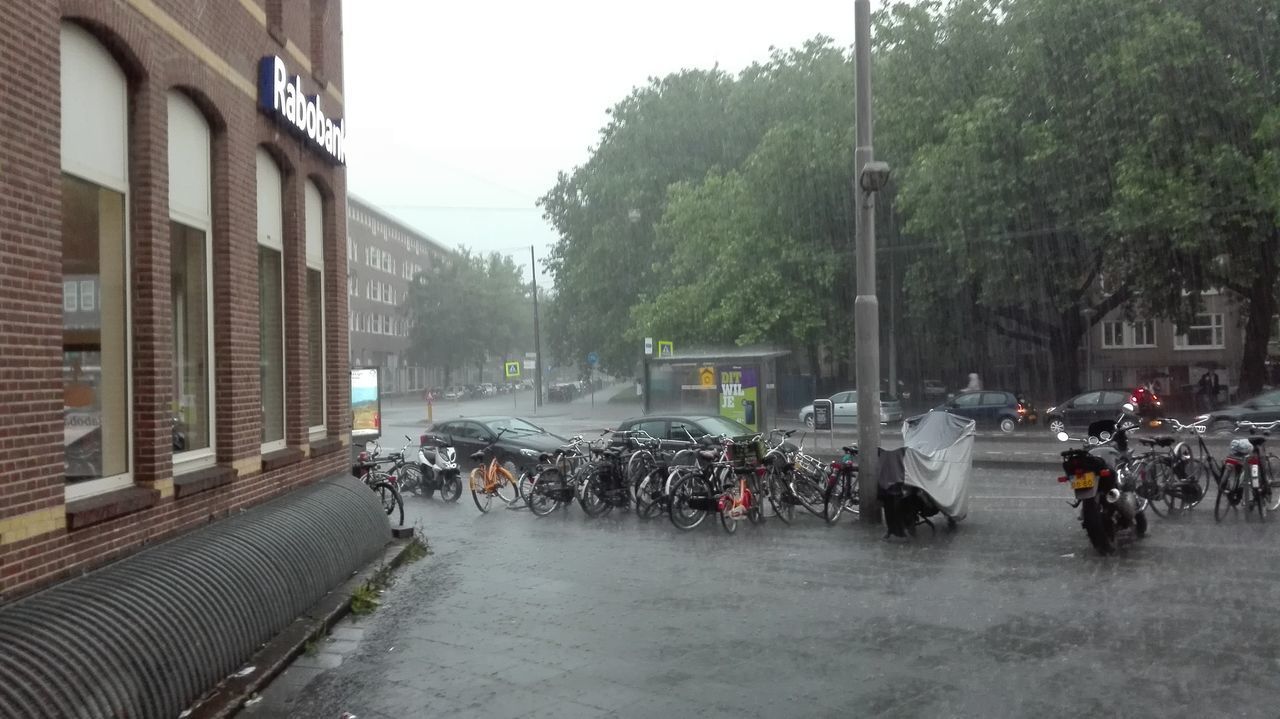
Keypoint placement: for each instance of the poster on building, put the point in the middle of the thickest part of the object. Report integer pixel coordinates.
(366, 403)
(739, 389)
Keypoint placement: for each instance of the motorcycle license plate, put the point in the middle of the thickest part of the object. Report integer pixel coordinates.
(1083, 481)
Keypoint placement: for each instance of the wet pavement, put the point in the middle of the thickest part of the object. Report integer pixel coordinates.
(1013, 615)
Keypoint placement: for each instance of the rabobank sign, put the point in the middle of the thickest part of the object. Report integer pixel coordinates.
(281, 96)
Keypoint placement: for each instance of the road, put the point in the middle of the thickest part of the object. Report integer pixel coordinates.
(1013, 615)
(1030, 449)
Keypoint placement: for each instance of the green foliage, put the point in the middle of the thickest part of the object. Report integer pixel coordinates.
(365, 599)
(1054, 160)
(468, 310)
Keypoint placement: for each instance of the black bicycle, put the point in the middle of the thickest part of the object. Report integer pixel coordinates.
(368, 469)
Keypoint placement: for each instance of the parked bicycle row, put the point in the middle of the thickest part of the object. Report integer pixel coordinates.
(734, 479)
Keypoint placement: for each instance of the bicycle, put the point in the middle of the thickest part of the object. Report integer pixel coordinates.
(842, 486)
(653, 494)
(491, 479)
(386, 485)
(554, 483)
(1257, 492)
(606, 482)
(745, 457)
(696, 490)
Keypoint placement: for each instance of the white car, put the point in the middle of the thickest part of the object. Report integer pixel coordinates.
(844, 409)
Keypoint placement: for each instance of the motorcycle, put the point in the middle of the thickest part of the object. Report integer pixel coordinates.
(1104, 489)
(438, 462)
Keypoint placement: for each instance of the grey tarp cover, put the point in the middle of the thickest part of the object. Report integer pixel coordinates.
(937, 458)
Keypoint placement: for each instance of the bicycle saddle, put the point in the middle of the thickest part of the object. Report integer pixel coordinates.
(1158, 441)
(1257, 441)
(850, 450)
(706, 454)
(478, 456)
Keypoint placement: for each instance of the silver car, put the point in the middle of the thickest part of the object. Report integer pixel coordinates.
(844, 409)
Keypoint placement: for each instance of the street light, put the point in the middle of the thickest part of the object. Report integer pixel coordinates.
(872, 177)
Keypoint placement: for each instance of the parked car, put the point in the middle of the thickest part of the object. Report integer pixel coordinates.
(519, 441)
(844, 409)
(455, 393)
(989, 408)
(1086, 408)
(933, 389)
(1260, 408)
(562, 392)
(678, 431)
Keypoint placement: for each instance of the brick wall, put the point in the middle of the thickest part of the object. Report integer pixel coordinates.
(209, 51)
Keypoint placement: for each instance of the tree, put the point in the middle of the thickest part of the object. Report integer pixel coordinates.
(469, 309)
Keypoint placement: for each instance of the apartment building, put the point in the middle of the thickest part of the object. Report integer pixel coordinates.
(383, 257)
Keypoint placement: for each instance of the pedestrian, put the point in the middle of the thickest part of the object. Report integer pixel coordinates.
(1205, 386)
(1217, 390)
(974, 383)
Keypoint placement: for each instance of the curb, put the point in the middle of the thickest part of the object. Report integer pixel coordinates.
(229, 696)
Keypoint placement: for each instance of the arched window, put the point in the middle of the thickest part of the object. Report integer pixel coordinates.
(95, 266)
(191, 282)
(271, 301)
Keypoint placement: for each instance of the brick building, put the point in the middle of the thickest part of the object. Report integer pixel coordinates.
(172, 206)
(383, 257)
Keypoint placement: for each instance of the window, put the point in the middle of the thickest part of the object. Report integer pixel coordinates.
(1144, 333)
(271, 369)
(1088, 399)
(996, 399)
(968, 400)
(190, 281)
(1112, 334)
(95, 267)
(1205, 332)
(1116, 334)
(314, 215)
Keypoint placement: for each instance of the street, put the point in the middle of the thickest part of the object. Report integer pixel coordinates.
(1012, 615)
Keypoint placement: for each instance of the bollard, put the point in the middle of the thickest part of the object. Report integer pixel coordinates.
(430, 408)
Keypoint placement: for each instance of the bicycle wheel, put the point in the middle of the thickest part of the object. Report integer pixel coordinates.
(691, 496)
(539, 501)
(508, 488)
(780, 497)
(392, 504)
(411, 479)
(755, 508)
(1223, 502)
(1273, 481)
(649, 498)
(592, 497)
(482, 498)
(1147, 486)
(638, 467)
(810, 492)
(833, 501)
(728, 519)
(1194, 472)
(1164, 477)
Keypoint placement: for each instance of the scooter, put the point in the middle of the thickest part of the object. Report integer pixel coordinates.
(1103, 487)
(439, 464)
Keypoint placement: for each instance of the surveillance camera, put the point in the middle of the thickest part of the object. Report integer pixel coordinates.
(875, 175)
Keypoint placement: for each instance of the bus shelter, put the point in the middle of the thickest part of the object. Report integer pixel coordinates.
(740, 384)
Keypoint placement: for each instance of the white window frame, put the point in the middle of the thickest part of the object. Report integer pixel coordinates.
(1128, 335)
(201, 458)
(314, 235)
(1216, 326)
(72, 34)
(277, 244)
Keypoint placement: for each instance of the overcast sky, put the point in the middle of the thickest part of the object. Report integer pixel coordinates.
(460, 114)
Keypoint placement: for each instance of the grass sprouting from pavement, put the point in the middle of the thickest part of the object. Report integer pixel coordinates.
(364, 599)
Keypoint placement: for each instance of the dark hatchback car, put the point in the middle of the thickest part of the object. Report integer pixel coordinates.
(676, 431)
(1262, 408)
(1086, 408)
(989, 408)
(518, 441)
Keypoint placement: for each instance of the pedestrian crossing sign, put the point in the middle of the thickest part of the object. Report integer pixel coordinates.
(512, 369)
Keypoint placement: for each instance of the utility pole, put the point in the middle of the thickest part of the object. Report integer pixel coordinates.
(537, 337)
(872, 176)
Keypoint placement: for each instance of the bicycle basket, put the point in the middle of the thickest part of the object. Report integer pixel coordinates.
(747, 452)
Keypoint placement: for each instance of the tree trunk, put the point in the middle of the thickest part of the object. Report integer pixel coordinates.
(1257, 333)
(1064, 345)
(447, 373)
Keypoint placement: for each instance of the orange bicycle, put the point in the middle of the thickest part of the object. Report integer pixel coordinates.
(491, 479)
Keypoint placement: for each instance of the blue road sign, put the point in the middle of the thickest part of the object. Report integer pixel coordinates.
(593, 359)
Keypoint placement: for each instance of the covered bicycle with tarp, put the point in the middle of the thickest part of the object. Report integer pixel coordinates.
(929, 475)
